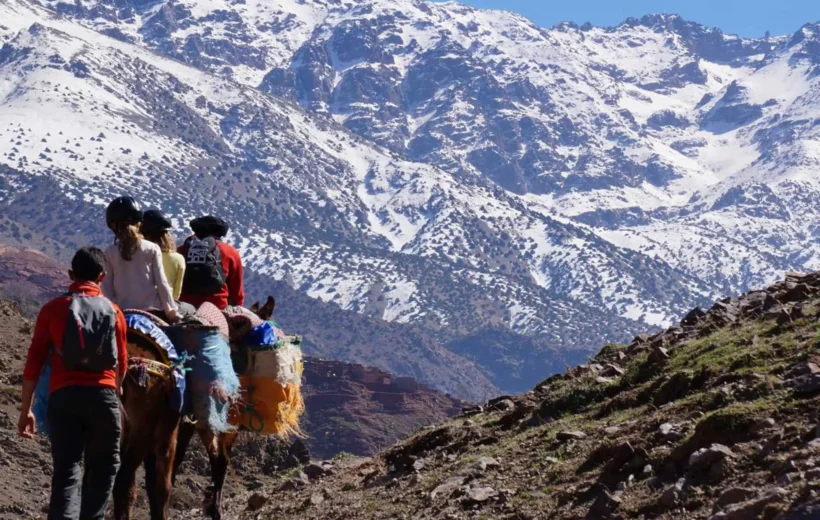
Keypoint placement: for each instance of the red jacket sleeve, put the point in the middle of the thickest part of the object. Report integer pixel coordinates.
(236, 288)
(122, 343)
(40, 345)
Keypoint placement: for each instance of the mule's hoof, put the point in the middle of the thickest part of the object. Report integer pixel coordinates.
(213, 512)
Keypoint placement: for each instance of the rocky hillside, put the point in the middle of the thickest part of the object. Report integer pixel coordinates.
(359, 410)
(713, 419)
(29, 278)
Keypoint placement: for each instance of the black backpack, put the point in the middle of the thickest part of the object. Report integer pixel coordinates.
(203, 267)
(89, 339)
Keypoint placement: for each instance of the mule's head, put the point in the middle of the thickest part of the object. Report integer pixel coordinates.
(265, 312)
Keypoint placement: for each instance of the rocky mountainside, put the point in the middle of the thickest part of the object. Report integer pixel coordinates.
(507, 195)
(713, 419)
(29, 278)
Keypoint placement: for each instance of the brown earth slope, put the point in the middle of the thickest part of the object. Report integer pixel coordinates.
(29, 278)
(717, 418)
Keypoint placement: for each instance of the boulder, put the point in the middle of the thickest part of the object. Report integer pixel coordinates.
(692, 319)
(670, 432)
(798, 293)
(299, 452)
(622, 454)
(256, 502)
(673, 495)
(809, 511)
(501, 405)
(805, 385)
(300, 481)
(446, 488)
(571, 436)
(478, 495)
(659, 355)
(469, 411)
(753, 508)
(705, 458)
(734, 495)
(314, 471)
(612, 370)
(316, 499)
(485, 463)
(606, 504)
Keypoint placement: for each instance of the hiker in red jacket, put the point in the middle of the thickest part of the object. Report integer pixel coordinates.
(84, 336)
(213, 269)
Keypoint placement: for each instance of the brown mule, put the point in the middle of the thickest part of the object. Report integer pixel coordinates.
(150, 437)
(217, 445)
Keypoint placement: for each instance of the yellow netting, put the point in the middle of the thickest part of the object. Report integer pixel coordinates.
(269, 408)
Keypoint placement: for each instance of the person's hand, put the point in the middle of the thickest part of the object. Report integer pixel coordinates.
(173, 316)
(26, 425)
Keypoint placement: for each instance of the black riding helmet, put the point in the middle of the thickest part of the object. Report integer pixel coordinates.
(155, 222)
(209, 226)
(123, 210)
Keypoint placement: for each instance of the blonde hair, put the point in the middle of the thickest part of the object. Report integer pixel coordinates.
(127, 237)
(165, 240)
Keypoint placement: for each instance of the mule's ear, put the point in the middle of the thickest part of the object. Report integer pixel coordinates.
(255, 307)
(266, 311)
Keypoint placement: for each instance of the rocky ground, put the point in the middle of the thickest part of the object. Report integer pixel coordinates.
(714, 419)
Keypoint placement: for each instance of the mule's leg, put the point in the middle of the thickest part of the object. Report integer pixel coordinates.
(125, 489)
(150, 466)
(185, 433)
(164, 468)
(220, 471)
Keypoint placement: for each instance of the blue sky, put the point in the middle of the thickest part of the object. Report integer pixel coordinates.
(750, 18)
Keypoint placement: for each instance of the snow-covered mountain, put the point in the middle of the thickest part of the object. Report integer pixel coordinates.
(508, 192)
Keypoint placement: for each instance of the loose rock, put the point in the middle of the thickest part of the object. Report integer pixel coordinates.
(571, 436)
(314, 471)
(446, 488)
(754, 507)
(485, 463)
(733, 496)
(257, 501)
(478, 495)
(606, 504)
(673, 494)
(705, 458)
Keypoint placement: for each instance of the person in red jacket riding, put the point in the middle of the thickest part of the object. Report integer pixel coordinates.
(213, 269)
(83, 335)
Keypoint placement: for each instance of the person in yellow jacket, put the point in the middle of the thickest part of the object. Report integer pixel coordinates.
(157, 228)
